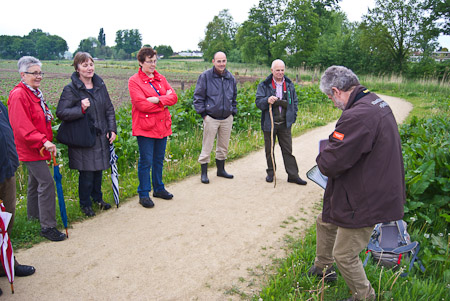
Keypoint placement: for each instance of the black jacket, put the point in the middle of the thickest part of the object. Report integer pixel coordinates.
(264, 91)
(364, 164)
(215, 95)
(101, 111)
(9, 161)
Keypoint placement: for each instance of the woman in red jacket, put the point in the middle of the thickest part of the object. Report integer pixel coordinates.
(31, 121)
(151, 95)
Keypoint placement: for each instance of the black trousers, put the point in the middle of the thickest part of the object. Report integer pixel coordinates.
(90, 185)
(284, 136)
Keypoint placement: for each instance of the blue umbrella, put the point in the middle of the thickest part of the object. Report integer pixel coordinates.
(62, 205)
(114, 173)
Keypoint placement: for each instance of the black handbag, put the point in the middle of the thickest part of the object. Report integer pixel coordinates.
(77, 133)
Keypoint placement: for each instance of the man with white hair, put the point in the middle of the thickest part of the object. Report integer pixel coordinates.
(278, 91)
(366, 180)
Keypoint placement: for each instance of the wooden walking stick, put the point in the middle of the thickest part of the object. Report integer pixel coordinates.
(271, 146)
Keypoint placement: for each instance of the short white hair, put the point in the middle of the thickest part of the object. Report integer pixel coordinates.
(25, 62)
(277, 61)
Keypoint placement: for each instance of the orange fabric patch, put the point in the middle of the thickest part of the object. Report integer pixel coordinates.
(338, 135)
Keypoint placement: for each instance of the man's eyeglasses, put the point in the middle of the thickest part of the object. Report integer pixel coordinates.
(35, 74)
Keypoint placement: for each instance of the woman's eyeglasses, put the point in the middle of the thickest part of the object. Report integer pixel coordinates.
(35, 74)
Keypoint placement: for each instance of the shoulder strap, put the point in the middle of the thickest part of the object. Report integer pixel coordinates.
(154, 88)
(402, 231)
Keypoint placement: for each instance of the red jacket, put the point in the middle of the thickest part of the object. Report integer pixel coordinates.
(30, 128)
(149, 119)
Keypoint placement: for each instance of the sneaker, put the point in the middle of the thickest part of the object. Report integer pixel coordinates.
(269, 179)
(297, 180)
(146, 202)
(52, 234)
(164, 194)
(88, 211)
(330, 273)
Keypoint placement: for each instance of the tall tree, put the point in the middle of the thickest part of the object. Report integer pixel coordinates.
(440, 13)
(88, 45)
(304, 31)
(219, 35)
(128, 40)
(397, 26)
(102, 37)
(261, 37)
(164, 50)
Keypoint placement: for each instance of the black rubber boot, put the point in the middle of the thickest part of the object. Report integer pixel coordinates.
(221, 169)
(205, 179)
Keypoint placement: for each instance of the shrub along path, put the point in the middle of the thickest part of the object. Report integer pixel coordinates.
(211, 242)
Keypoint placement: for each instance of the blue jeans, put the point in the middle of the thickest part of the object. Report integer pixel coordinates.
(151, 157)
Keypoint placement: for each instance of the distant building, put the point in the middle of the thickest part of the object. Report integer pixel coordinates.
(440, 56)
(415, 57)
(191, 53)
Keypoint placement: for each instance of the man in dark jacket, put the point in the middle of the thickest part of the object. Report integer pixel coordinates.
(278, 92)
(215, 100)
(366, 185)
(9, 162)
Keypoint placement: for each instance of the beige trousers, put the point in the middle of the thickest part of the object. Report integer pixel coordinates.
(343, 245)
(212, 128)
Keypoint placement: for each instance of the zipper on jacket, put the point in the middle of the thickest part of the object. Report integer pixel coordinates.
(223, 98)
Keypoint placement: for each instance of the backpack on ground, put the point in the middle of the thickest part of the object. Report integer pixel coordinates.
(390, 243)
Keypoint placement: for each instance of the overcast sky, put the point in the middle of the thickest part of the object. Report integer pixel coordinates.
(178, 23)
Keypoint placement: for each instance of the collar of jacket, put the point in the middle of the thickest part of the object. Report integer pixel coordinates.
(96, 80)
(226, 74)
(352, 99)
(22, 86)
(268, 80)
(144, 77)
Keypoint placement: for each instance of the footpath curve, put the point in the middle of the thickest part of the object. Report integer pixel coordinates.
(206, 242)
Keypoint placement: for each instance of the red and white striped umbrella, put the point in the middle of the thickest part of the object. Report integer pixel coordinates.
(6, 250)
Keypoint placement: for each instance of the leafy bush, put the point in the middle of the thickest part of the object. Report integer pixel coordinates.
(426, 154)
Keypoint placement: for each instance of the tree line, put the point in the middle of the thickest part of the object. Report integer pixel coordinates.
(37, 43)
(316, 33)
(50, 47)
(128, 43)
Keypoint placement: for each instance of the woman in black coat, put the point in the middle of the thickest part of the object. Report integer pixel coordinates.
(87, 94)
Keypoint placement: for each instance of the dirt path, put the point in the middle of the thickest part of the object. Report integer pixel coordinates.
(208, 241)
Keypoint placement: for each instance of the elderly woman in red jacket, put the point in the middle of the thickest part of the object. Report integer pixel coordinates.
(151, 94)
(31, 121)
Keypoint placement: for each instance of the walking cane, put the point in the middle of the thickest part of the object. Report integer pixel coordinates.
(271, 146)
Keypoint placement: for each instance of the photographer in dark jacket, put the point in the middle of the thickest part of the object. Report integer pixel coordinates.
(87, 94)
(278, 91)
(9, 161)
(215, 100)
(364, 165)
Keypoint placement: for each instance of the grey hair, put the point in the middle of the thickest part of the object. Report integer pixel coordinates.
(338, 77)
(25, 62)
(277, 61)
